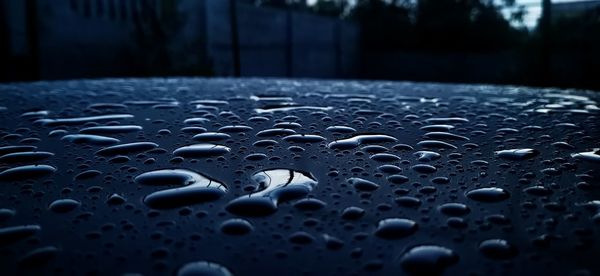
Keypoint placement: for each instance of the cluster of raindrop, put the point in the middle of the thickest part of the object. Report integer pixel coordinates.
(223, 177)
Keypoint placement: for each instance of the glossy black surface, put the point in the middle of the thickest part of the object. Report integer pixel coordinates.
(243, 177)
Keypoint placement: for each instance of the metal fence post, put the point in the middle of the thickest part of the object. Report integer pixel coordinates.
(235, 39)
(289, 55)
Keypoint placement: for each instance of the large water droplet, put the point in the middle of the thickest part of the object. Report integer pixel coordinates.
(428, 260)
(435, 144)
(196, 188)
(125, 149)
(82, 120)
(274, 185)
(362, 184)
(236, 227)
(491, 194)
(38, 257)
(90, 139)
(203, 268)
(395, 228)
(26, 172)
(517, 154)
(63, 205)
(454, 209)
(22, 157)
(355, 141)
(497, 249)
(201, 151)
(590, 156)
(110, 129)
(9, 235)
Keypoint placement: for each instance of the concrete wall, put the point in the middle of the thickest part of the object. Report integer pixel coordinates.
(98, 38)
(14, 18)
(101, 38)
(77, 41)
(274, 42)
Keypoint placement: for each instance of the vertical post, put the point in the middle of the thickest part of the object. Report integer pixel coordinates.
(545, 51)
(31, 17)
(337, 40)
(289, 35)
(235, 39)
(5, 38)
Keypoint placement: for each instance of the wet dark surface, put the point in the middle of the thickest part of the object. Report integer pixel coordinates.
(167, 176)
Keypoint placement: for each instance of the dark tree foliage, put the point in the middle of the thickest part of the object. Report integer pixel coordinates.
(288, 4)
(335, 8)
(466, 27)
(431, 25)
(385, 26)
(577, 31)
(579, 35)
(462, 25)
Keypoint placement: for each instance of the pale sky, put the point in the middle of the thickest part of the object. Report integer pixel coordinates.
(533, 7)
(534, 10)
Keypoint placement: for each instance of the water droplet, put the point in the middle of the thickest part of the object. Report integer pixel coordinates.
(201, 151)
(538, 190)
(517, 154)
(125, 149)
(408, 201)
(301, 238)
(310, 204)
(590, 156)
(203, 268)
(12, 149)
(332, 243)
(395, 228)
(389, 169)
(449, 120)
(491, 194)
(6, 214)
(304, 138)
(115, 199)
(384, 157)
(63, 205)
(497, 249)
(235, 129)
(38, 257)
(82, 120)
(353, 213)
(275, 132)
(87, 174)
(428, 260)
(90, 139)
(13, 234)
(97, 130)
(341, 129)
(23, 157)
(211, 136)
(26, 172)
(355, 141)
(291, 108)
(362, 184)
(424, 168)
(435, 144)
(454, 209)
(438, 127)
(196, 188)
(445, 136)
(274, 185)
(236, 226)
(397, 179)
(427, 156)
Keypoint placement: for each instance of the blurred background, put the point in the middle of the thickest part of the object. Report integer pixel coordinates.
(523, 42)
